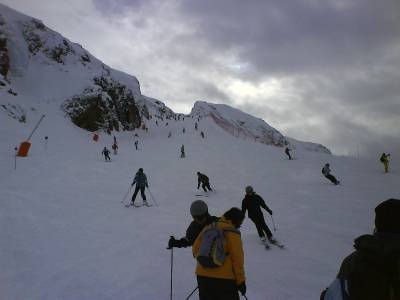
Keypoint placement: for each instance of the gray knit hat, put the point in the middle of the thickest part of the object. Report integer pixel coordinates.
(249, 189)
(198, 208)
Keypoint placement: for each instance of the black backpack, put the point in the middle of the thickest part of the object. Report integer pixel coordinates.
(374, 278)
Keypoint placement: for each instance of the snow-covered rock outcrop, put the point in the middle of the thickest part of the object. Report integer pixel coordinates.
(38, 64)
(240, 124)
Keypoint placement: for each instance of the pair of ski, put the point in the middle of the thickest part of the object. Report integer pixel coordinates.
(138, 205)
(275, 243)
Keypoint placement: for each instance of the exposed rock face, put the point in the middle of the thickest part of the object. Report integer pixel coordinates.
(109, 107)
(4, 58)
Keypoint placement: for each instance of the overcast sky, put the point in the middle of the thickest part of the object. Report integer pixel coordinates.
(316, 70)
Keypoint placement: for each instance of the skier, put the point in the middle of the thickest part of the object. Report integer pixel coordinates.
(169, 134)
(225, 281)
(115, 148)
(106, 154)
(141, 183)
(182, 151)
(201, 218)
(372, 271)
(202, 134)
(385, 160)
(136, 144)
(183, 130)
(204, 181)
(326, 171)
(253, 203)
(196, 126)
(287, 152)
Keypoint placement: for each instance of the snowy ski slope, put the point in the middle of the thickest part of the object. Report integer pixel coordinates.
(66, 235)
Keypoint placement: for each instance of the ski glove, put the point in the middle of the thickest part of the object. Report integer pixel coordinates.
(174, 243)
(242, 288)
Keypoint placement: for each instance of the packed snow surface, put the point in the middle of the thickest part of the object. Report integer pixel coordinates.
(66, 235)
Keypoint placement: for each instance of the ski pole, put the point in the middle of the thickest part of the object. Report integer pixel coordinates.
(172, 264)
(126, 195)
(154, 199)
(272, 218)
(245, 297)
(190, 295)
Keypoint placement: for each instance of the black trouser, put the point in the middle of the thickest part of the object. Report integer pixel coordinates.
(205, 186)
(107, 157)
(261, 227)
(141, 188)
(217, 289)
(288, 154)
(331, 178)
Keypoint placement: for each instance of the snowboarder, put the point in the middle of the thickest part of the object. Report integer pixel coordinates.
(326, 171)
(385, 160)
(225, 281)
(182, 151)
(204, 181)
(287, 152)
(201, 218)
(253, 203)
(136, 144)
(141, 183)
(202, 134)
(106, 154)
(115, 148)
(372, 271)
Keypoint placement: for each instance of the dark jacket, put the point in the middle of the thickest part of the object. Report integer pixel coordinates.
(253, 203)
(193, 231)
(202, 179)
(380, 252)
(140, 180)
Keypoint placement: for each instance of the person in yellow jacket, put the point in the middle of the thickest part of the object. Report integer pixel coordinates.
(224, 282)
(385, 160)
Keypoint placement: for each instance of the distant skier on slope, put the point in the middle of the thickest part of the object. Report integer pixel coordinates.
(201, 218)
(287, 152)
(141, 183)
(106, 154)
(115, 148)
(202, 134)
(183, 151)
(204, 181)
(385, 160)
(326, 171)
(253, 203)
(136, 144)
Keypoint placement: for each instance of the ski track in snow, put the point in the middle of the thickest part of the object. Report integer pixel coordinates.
(66, 235)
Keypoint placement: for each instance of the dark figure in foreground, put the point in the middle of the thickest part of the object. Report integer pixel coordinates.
(106, 154)
(201, 218)
(326, 171)
(253, 203)
(141, 184)
(222, 282)
(287, 152)
(204, 181)
(372, 272)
